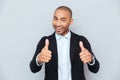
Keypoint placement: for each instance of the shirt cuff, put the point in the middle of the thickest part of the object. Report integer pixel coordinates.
(92, 62)
(37, 61)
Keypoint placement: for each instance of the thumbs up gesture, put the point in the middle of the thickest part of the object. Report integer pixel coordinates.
(85, 55)
(45, 54)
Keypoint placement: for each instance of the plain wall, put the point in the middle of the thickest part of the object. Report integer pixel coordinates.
(24, 22)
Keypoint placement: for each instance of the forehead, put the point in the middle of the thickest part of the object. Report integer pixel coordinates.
(61, 13)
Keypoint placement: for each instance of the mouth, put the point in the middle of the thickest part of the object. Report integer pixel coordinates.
(58, 29)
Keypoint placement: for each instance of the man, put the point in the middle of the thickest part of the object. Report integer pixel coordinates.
(64, 52)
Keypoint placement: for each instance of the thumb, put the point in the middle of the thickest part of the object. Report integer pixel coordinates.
(46, 44)
(81, 46)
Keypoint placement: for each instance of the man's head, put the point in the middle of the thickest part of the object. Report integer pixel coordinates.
(62, 19)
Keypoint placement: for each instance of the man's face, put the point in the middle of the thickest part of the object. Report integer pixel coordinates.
(61, 21)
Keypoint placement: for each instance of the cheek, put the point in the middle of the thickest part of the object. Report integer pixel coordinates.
(64, 24)
(53, 23)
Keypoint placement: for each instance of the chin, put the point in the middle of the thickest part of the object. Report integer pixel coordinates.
(59, 33)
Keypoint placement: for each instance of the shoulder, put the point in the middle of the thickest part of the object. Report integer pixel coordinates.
(47, 37)
(78, 37)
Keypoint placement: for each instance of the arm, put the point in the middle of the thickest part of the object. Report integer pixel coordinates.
(95, 67)
(33, 66)
(87, 56)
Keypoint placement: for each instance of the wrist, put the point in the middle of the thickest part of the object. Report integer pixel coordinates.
(92, 62)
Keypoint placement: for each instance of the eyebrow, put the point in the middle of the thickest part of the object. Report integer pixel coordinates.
(61, 18)
(54, 17)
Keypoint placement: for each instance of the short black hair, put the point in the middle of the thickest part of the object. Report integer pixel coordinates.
(66, 9)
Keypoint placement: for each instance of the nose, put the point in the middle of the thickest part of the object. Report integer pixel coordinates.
(58, 23)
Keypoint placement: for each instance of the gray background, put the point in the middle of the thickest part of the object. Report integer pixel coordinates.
(24, 22)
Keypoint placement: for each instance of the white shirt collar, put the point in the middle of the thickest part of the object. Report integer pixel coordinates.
(67, 36)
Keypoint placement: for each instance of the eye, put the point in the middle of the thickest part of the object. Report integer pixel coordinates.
(54, 18)
(63, 20)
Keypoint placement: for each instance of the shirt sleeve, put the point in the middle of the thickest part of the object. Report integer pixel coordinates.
(37, 61)
(92, 62)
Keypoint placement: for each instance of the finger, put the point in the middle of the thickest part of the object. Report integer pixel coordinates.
(41, 59)
(87, 61)
(85, 54)
(48, 52)
(45, 59)
(46, 44)
(48, 55)
(81, 46)
(85, 58)
(82, 53)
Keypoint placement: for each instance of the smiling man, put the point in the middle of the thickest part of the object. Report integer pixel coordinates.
(64, 53)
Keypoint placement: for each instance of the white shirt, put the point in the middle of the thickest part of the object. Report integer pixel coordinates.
(64, 64)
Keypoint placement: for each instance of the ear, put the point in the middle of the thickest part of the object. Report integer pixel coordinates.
(71, 22)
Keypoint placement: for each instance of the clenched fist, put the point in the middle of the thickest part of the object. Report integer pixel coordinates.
(45, 54)
(85, 55)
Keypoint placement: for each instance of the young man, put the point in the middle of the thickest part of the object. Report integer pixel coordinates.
(64, 52)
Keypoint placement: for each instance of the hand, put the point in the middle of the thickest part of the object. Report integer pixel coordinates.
(45, 54)
(85, 55)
